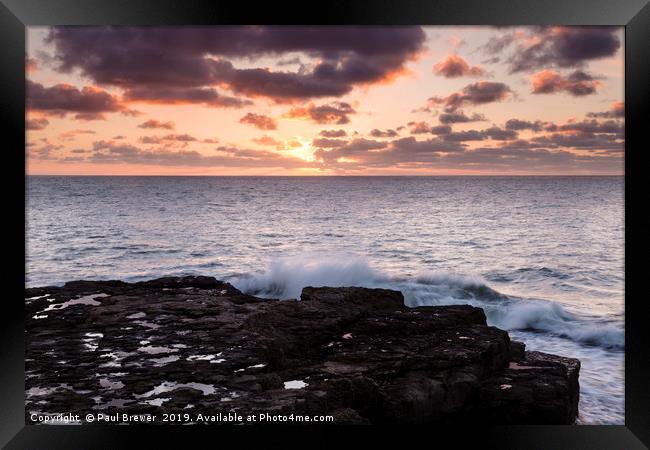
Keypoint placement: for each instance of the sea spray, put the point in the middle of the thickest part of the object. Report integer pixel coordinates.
(286, 277)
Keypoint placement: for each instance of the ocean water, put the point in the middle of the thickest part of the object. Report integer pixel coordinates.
(542, 255)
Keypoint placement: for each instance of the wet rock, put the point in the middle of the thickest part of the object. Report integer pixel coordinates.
(180, 344)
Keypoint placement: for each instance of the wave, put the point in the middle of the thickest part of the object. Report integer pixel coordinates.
(286, 277)
(552, 318)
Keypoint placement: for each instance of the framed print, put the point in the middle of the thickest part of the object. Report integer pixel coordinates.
(250, 223)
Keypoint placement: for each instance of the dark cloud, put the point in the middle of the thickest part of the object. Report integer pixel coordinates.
(518, 125)
(582, 141)
(107, 152)
(409, 153)
(616, 111)
(473, 94)
(328, 143)
(592, 135)
(207, 96)
(419, 127)
(43, 149)
(497, 44)
(184, 138)
(454, 66)
(333, 133)
(577, 83)
(335, 112)
(495, 133)
(589, 126)
(460, 117)
(500, 134)
(37, 123)
(259, 121)
(152, 123)
(180, 137)
(441, 129)
(88, 103)
(178, 59)
(563, 47)
(462, 136)
(383, 134)
(363, 153)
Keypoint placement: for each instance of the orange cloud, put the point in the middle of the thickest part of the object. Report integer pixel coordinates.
(578, 83)
(259, 121)
(454, 66)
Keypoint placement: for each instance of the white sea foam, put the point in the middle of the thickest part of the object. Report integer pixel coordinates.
(286, 277)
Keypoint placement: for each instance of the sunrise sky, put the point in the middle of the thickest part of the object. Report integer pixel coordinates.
(325, 100)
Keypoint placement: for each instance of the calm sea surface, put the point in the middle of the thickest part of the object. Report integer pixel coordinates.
(542, 255)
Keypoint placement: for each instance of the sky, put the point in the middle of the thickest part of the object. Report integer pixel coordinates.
(328, 100)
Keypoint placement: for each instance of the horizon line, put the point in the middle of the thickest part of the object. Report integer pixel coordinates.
(326, 176)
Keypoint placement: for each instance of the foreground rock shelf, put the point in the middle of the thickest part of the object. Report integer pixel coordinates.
(195, 344)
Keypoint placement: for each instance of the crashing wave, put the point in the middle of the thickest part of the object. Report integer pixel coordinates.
(286, 277)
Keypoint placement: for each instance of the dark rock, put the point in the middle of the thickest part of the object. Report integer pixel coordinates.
(180, 345)
(517, 350)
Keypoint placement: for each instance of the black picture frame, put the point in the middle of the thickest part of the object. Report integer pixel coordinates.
(16, 15)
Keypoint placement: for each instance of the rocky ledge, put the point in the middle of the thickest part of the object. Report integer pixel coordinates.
(195, 344)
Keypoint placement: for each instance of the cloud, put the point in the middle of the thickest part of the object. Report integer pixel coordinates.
(454, 66)
(462, 136)
(473, 94)
(71, 134)
(266, 140)
(563, 47)
(500, 134)
(593, 135)
(577, 83)
(460, 117)
(31, 65)
(364, 153)
(494, 132)
(335, 112)
(616, 111)
(508, 156)
(581, 141)
(165, 95)
(589, 126)
(419, 127)
(88, 103)
(174, 61)
(441, 130)
(107, 152)
(183, 138)
(328, 143)
(333, 133)
(517, 125)
(383, 134)
(43, 150)
(497, 44)
(152, 124)
(37, 123)
(350, 150)
(259, 121)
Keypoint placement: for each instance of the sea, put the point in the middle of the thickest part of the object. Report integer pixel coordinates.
(543, 256)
